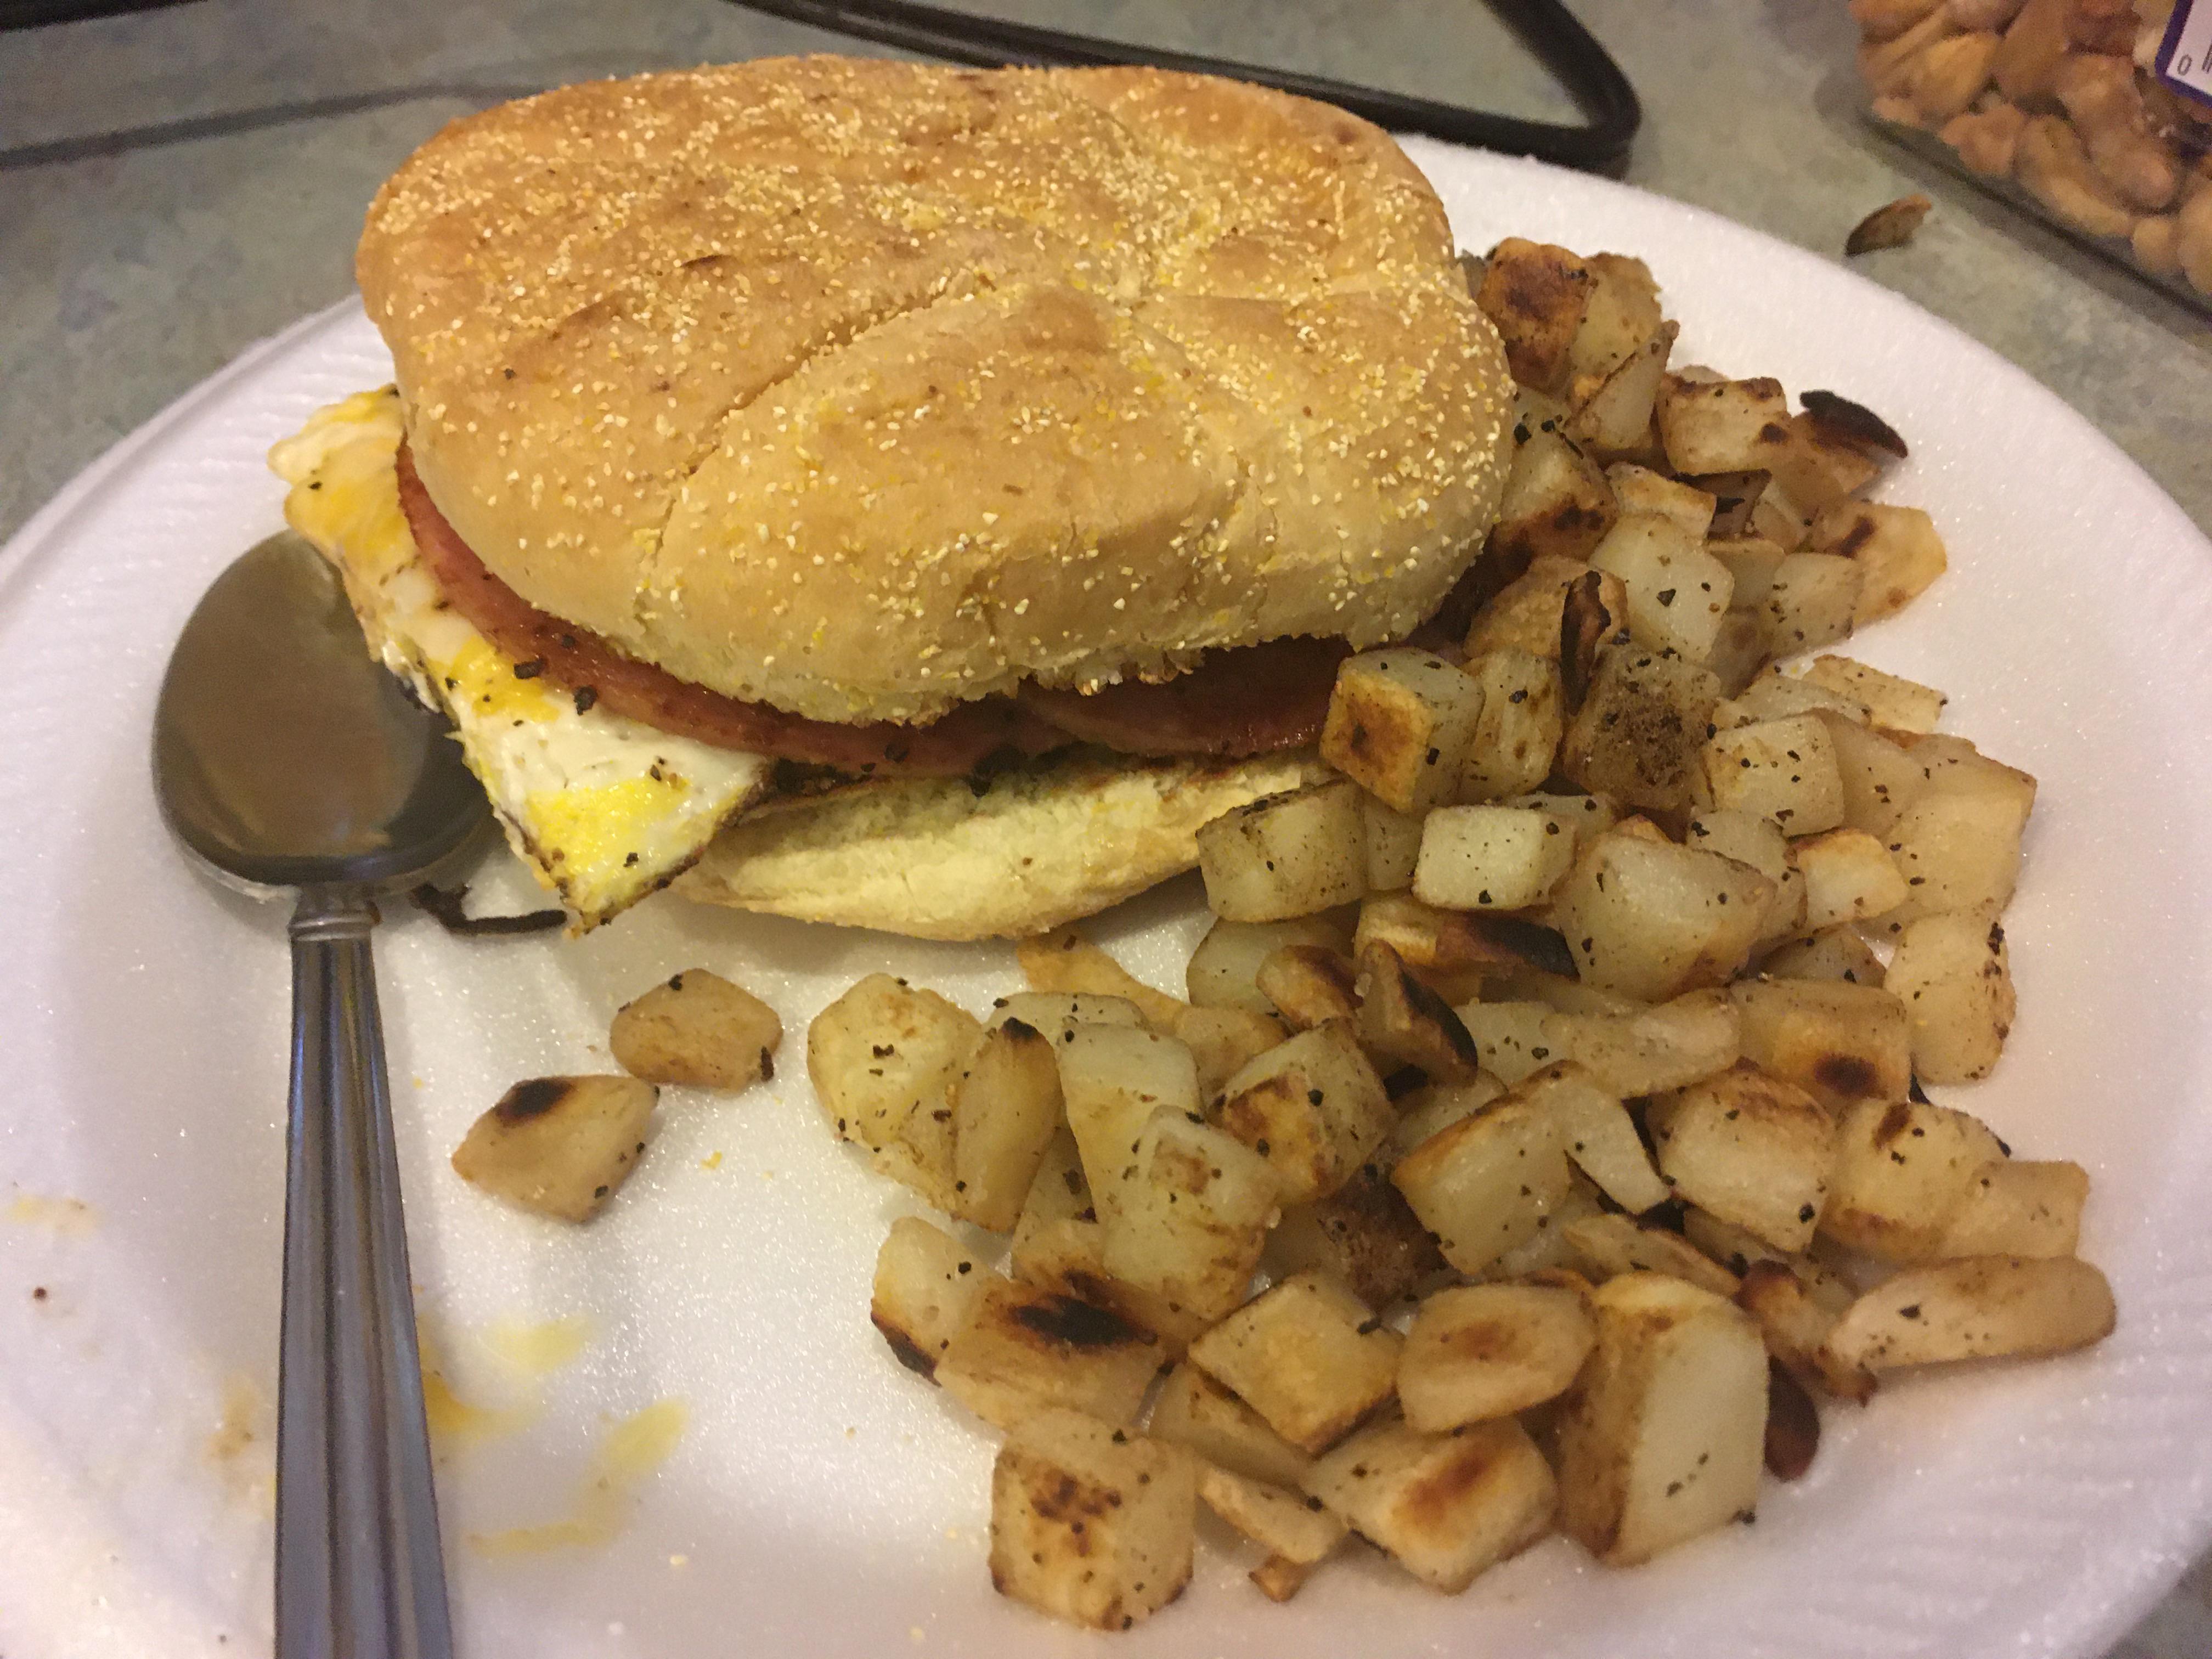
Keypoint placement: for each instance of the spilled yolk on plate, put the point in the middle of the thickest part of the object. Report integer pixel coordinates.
(604, 809)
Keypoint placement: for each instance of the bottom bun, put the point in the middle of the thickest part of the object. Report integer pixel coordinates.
(932, 858)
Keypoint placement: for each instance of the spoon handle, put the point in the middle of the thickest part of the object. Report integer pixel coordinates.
(359, 1572)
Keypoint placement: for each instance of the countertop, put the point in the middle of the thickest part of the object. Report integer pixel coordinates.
(176, 184)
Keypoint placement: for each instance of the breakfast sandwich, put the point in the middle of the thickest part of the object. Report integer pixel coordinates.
(910, 497)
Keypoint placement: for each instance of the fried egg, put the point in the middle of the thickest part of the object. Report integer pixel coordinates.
(604, 810)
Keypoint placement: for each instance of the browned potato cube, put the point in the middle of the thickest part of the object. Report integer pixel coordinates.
(1775, 696)
(1192, 1217)
(1556, 503)
(1485, 1184)
(1722, 426)
(1290, 855)
(1364, 1234)
(1783, 769)
(1812, 601)
(1025, 1349)
(1225, 970)
(1677, 591)
(1848, 876)
(1307, 1356)
(1064, 963)
(2016, 1207)
(1623, 312)
(1280, 1520)
(697, 1030)
(1615, 416)
(1193, 1410)
(1639, 489)
(1835, 953)
(1536, 295)
(1675, 1044)
(1394, 846)
(1954, 977)
(1491, 858)
(1309, 985)
(1526, 614)
(1651, 919)
(1796, 1324)
(1840, 1043)
(1896, 549)
(1904, 1170)
(1881, 778)
(1598, 1135)
(1750, 1148)
(1088, 1524)
(1959, 851)
(1059, 1245)
(1402, 1019)
(1639, 733)
(927, 1285)
(1052, 1012)
(1666, 1435)
(1511, 1039)
(1454, 948)
(1280, 1577)
(559, 1145)
(1312, 1107)
(882, 1050)
(1400, 723)
(1516, 735)
(1900, 704)
(1435, 1109)
(1603, 1247)
(1446, 1506)
(1112, 1079)
(1223, 1041)
(1978, 1308)
(1481, 1351)
(1005, 1110)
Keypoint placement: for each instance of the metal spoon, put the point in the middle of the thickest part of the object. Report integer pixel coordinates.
(285, 757)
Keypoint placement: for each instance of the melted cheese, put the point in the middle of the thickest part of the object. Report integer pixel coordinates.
(603, 809)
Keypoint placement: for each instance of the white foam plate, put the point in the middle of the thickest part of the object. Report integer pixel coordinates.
(821, 1499)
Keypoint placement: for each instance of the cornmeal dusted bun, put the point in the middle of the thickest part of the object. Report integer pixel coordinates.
(863, 388)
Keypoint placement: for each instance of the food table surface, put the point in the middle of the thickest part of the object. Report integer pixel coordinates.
(178, 184)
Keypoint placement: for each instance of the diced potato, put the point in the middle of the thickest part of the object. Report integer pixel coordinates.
(1586, 814)
(1277, 1520)
(1896, 549)
(1192, 1216)
(1402, 1019)
(1426, 1111)
(1224, 969)
(1904, 1173)
(1223, 1041)
(1605, 1246)
(1088, 1524)
(1364, 1234)
(1665, 1436)
(1639, 733)
(927, 1285)
(1780, 769)
(1848, 876)
(1482, 1352)
(1309, 985)
(1902, 705)
(1674, 1044)
(1063, 960)
(1722, 426)
(1058, 1192)
(1775, 696)
(1400, 723)
(1491, 858)
(1291, 855)
(1677, 591)
(1556, 503)
(697, 1030)
(1536, 295)
(1005, 1110)
(1444, 944)
(1955, 767)
(882, 1050)
(559, 1147)
(1024, 1350)
(1751, 562)
(2016, 1207)
(1069, 1256)
(1797, 1325)
(1617, 414)
(1280, 1577)
(1510, 1037)
(1446, 1506)
(1740, 650)
(1977, 1307)
(1778, 515)
(1195, 1411)
(1749, 838)
(1958, 852)
(1735, 501)
(1623, 312)
(1485, 1184)
(1517, 736)
(1652, 920)
(1837, 953)
(1598, 1135)
(1312, 1107)
(1881, 778)
(1547, 1250)
(1750, 1148)
(1394, 846)
(1841, 1043)
(1112, 1079)
(1954, 977)
(1526, 614)
(919, 1156)
(1811, 601)
(1307, 1356)
(1556, 992)
(1639, 489)
(1052, 1012)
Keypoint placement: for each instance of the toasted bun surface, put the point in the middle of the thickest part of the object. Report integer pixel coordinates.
(862, 388)
(930, 858)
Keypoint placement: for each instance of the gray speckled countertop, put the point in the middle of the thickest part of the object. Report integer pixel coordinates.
(176, 184)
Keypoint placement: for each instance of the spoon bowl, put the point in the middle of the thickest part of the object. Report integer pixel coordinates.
(285, 758)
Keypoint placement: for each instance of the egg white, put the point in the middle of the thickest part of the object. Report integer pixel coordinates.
(604, 810)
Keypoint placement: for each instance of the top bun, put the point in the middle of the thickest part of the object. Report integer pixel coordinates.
(865, 388)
